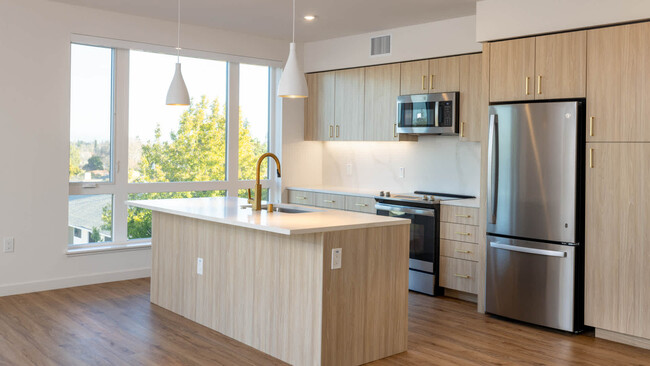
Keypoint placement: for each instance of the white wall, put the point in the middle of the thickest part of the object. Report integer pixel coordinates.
(434, 163)
(435, 39)
(34, 133)
(499, 19)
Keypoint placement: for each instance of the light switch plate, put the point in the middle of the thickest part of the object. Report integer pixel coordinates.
(401, 172)
(348, 169)
(336, 257)
(199, 266)
(9, 245)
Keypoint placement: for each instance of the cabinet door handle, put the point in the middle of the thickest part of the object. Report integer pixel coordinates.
(331, 127)
(431, 82)
(424, 82)
(591, 126)
(463, 251)
(465, 216)
(395, 130)
(462, 129)
(337, 131)
(461, 276)
(591, 158)
(328, 201)
(361, 204)
(466, 234)
(539, 84)
(527, 85)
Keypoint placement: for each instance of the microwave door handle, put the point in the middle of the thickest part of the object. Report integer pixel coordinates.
(435, 114)
(493, 170)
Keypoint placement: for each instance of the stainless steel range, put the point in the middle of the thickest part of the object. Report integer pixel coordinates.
(422, 208)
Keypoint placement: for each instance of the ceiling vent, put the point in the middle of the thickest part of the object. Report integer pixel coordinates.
(380, 46)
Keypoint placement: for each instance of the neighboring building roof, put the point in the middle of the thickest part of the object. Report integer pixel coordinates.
(86, 211)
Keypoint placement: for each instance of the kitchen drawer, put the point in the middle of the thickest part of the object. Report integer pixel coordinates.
(335, 201)
(458, 232)
(459, 215)
(459, 249)
(458, 274)
(360, 204)
(301, 197)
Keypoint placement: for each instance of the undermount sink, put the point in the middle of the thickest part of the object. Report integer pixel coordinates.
(291, 210)
(282, 208)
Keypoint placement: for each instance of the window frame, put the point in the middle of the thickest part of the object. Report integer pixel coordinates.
(119, 186)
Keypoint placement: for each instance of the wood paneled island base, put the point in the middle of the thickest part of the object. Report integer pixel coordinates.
(277, 293)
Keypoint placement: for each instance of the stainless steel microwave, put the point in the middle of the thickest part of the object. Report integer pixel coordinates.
(428, 114)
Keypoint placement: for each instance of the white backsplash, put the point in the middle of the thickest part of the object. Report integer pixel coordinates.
(434, 163)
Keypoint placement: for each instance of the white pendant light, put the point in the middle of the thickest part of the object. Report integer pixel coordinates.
(177, 93)
(292, 83)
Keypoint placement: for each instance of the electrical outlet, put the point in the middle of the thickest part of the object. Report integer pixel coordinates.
(348, 169)
(336, 258)
(9, 245)
(199, 266)
(401, 172)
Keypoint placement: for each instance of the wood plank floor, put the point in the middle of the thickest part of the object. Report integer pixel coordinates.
(114, 324)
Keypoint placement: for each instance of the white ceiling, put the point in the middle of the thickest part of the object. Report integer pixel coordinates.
(272, 18)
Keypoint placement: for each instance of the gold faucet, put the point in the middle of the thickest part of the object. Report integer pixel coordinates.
(257, 203)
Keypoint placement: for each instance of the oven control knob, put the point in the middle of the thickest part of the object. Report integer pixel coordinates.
(381, 194)
(426, 198)
(387, 194)
(432, 198)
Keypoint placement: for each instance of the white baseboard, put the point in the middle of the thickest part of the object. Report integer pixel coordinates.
(63, 282)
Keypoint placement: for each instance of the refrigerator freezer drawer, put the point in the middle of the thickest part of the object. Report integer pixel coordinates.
(531, 281)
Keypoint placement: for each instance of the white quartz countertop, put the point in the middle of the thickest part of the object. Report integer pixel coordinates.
(469, 202)
(228, 210)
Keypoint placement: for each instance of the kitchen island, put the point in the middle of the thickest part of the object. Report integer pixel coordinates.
(268, 280)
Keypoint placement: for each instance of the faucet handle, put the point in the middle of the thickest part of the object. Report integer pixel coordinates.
(250, 198)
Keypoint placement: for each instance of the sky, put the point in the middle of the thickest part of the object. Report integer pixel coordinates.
(149, 78)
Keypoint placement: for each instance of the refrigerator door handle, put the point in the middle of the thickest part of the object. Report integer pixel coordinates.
(493, 170)
(514, 248)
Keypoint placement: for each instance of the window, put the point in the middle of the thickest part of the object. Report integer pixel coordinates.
(126, 144)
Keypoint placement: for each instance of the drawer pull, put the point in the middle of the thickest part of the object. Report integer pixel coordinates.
(465, 216)
(301, 197)
(461, 276)
(329, 201)
(463, 251)
(361, 204)
(466, 234)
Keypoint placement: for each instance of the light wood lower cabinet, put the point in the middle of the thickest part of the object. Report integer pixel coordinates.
(301, 198)
(360, 204)
(458, 274)
(335, 201)
(617, 242)
(459, 232)
(459, 247)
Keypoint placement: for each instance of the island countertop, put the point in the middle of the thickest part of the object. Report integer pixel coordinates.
(228, 210)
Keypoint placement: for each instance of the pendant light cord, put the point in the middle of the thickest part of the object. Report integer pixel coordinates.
(293, 34)
(178, 39)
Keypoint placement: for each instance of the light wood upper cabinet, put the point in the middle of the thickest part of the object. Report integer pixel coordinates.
(560, 65)
(617, 242)
(444, 74)
(471, 107)
(319, 107)
(512, 70)
(618, 79)
(382, 89)
(414, 77)
(545, 67)
(348, 105)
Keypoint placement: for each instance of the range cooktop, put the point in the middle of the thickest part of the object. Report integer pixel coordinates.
(418, 198)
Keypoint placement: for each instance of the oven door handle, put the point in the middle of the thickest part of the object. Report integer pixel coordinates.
(402, 210)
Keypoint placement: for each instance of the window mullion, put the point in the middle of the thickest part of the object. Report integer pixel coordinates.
(121, 138)
(232, 154)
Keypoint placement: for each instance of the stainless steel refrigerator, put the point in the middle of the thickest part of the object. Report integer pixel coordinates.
(535, 218)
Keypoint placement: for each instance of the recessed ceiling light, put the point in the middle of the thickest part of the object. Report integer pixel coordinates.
(310, 17)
